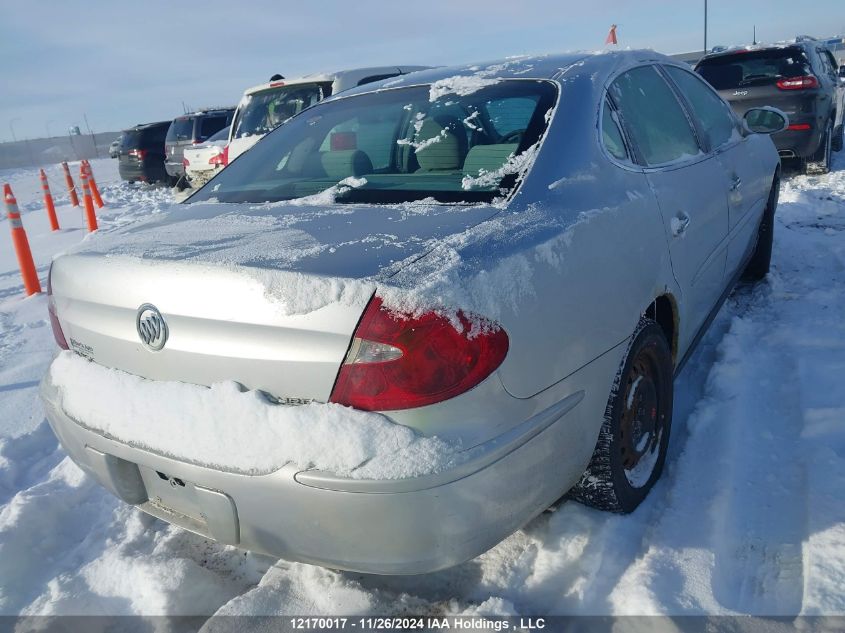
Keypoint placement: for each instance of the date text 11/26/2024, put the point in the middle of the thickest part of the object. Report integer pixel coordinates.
(426, 623)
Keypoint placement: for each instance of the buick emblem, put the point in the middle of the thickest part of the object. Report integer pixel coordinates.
(151, 327)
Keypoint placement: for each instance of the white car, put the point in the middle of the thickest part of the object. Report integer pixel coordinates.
(202, 162)
(264, 107)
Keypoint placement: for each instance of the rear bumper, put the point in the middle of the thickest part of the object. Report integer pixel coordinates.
(146, 171)
(799, 143)
(407, 526)
(174, 169)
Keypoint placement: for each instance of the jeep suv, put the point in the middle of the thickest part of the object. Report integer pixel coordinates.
(192, 129)
(800, 78)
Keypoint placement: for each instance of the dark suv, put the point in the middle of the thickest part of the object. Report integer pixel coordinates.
(192, 129)
(800, 78)
(141, 153)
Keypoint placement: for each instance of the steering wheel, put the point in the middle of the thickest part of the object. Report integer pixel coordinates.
(514, 136)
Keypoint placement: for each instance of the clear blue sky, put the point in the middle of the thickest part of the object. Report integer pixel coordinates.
(123, 63)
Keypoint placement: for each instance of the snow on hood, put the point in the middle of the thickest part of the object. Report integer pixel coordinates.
(226, 428)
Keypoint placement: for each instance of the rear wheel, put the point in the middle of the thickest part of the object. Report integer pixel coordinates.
(836, 143)
(819, 163)
(634, 437)
(758, 266)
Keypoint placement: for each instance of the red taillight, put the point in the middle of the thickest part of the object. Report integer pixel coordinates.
(799, 126)
(137, 153)
(224, 157)
(798, 83)
(185, 162)
(398, 362)
(217, 159)
(51, 309)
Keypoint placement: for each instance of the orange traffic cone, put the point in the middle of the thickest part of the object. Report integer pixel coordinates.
(48, 202)
(86, 198)
(95, 191)
(27, 266)
(74, 199)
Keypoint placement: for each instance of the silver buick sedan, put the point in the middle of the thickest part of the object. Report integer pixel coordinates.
(446, 301)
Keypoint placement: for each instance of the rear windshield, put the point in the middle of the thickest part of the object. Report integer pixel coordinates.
(182, 129)
(129, 139)
(263, 111)
(396, 145)
(754, 68)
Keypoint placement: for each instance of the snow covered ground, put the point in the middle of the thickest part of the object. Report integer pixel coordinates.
(748, 518)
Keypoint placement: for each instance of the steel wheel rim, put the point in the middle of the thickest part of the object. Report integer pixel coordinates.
(641, 421)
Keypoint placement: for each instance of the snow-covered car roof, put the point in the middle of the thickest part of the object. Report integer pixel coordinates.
(520, 67)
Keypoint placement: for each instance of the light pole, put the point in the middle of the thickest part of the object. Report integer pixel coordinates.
(12, 127)
(705, 27)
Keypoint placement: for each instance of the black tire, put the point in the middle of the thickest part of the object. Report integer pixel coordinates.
(819, 163)
(631, 448)
(758, 266)
(836, 143)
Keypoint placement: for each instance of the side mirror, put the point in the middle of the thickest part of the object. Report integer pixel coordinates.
(842, 72)
(765, 120)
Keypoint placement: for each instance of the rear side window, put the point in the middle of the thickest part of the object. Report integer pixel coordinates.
(754, 68)
(828, 61)
(653, 117)
(713, 114)
(209, 125)
(611, 135)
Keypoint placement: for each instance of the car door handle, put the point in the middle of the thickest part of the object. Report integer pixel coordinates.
(680, 223)
(736, 183)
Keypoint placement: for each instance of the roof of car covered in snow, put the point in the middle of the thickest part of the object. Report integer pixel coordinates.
(520, 67)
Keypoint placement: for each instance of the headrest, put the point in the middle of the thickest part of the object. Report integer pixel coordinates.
(487, 157)
(438, 155)
(345, 163)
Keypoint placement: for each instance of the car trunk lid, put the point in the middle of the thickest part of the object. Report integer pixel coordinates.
(265, 295)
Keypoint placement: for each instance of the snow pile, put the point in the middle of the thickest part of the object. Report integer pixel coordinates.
(225, 428)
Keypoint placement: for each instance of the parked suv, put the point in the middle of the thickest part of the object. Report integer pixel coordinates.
(800, 78)
(192, 129)
(264, 107)
(141, 156)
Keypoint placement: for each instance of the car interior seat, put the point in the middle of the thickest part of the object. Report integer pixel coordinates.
(442, 154)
